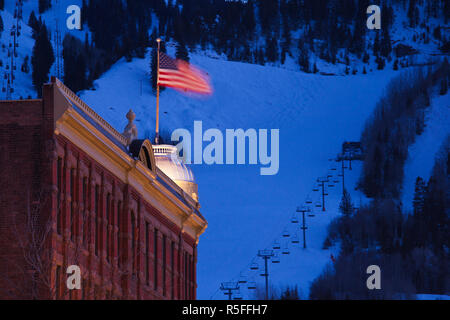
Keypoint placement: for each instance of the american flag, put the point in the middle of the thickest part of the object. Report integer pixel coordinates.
(181, 75)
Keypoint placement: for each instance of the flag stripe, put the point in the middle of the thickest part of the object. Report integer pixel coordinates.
(179, 74)
(167, 81)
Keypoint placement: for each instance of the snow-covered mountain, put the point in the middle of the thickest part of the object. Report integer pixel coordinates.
(315, 114)
(246, 211)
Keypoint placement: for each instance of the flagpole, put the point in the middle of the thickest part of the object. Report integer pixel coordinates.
(157, 94)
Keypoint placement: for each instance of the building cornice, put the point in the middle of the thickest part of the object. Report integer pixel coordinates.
(87, 137)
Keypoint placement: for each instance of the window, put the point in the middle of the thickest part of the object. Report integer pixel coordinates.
(59, 175)
(185, 276)
(119, 229)
(83, 231)
(164, 256)
(172, 273)
(83, 289)
(58, 282)
(108, 223)
(133, 242)
(155, 259)
(97, 218)
(147, 253)
(72, 204)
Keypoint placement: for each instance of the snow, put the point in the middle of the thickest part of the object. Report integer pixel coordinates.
(22, 85)
(56, 14)
(432, 297)
(423, 152)
(246, 211)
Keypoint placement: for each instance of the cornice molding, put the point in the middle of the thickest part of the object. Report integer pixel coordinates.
(87, 137)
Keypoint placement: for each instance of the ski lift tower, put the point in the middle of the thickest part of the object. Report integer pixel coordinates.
(303, 209)
(228, 288)
(266, 255)
(322, 181)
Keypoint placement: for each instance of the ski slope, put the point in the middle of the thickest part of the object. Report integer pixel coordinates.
(247, 211)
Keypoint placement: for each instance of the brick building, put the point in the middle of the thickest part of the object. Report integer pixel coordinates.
(74, 191)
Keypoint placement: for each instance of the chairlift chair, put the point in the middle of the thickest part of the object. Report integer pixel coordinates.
(286, 233)
(318, 204)
(254, 266)
(237, 296)
(251, 285)
(276, 245)
(311, 213)
(308, 200)
(276, 259)
(295, 239)
(285, 250)
(242, 279)
(294, 218)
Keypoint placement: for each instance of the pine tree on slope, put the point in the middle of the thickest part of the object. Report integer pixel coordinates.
(41, 60)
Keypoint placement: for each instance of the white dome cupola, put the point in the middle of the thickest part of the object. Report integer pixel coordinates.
(167, 161)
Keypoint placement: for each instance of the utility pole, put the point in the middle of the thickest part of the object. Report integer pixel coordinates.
(322, 181)
(266, 255)
(303, 227)
(228, 288)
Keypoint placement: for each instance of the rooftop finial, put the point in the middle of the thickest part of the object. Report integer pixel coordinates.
(130, 132)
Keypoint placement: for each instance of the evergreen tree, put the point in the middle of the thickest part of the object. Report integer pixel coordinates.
(376, 45)
(395, 67)
(419, 196)
(25, 68)
(2, 4)
(44, 5)
(346, 205)
(413, 14)
(380, 63)
(75, 64)
(42, 59)
(1, 24)
(315, 69)
(272, 50)
(33, 22)
(385, 45)
(303, 58)
(182, 52)
(444, 86)
(290, 294)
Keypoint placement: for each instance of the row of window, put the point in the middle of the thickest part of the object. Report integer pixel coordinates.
(111, 221)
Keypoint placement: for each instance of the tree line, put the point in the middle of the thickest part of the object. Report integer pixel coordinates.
(411, 248)
(259, 32)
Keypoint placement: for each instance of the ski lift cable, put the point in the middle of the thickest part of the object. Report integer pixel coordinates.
(280, 234)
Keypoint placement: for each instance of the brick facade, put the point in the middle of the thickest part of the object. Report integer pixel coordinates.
(124, 246)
